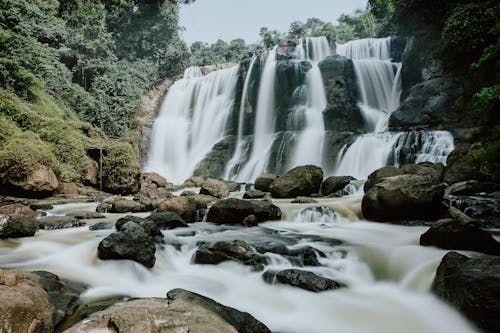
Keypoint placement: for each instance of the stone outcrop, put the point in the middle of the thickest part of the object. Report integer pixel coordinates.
(300, 181)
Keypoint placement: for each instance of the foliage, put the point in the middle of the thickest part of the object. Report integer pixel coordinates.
(7, 129)
(219, 52)
(120, 161)
(21, 153)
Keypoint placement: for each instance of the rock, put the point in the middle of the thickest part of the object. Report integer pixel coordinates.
(126, 206)
(376, 176)
(167, 220)
(59, 222)
(302, 279)
(250, 221)
(470, 187)
(25, 305)
(232, 186)
(481, 208)
(74, 189)
(81, 215)
(195, 181)
(41, 206)
(149, 178)
(17, 221)
(203, 200)
(237, 250)
(90, 175)
(234, 211)
(128, 182)
(462, 164)
(152, 197)
(40, 182)
(215, 188)
(149, 226)
(286, 49)
(102, 226)
(131, 242)
(403, 197)
(214, 163)
(103, 207)
(183, 311)
(254, 194)
(184, 206)
(263, 181)
(457, 215)
(334, 184)
(304, 256)
(456, 236)
(472, 286)
(300, 181)
(342, 112)
(64, 294)
(430, 170)
(304, 200)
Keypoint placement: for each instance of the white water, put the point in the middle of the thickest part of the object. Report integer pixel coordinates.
(309, 146)
(388, 274)
(264, 123)
(192, 119)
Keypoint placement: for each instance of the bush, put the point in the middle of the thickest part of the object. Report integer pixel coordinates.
(21, 153)
(7, 129)
(121, 169)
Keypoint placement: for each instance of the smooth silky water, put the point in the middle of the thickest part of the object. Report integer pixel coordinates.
(388, 274)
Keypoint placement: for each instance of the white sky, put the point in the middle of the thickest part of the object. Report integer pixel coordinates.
(209, 20)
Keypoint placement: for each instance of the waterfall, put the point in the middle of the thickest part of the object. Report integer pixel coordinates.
(309, 146)
(379, 87)
(264, 122)
(192, 119)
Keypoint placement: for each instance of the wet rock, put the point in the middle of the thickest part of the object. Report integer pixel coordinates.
(481, 208)
(286, 49)
(302, 279)
(152, 178)
(131, 242)
(102, 226)
(304, 200)
(334, 184)
(126, 206)
(237, 250)
(17, 221)
(40, 182)
(60, 222)
(64, 294)
(203, 201)
(73, 189)
(167, 220)
(184, 206)
(250, 221)
(452, 235)
(195, 181)
(263, 181)
(254, 194)
(149, 226)
(183, 311)
(152, 197)
(25, 305)
(234, 211)
(376, 176)
(472, 285)
(215, 188)
(86, 215)
(304, 256)
(103, 207)
(232, 186)
(214, 163)
(430, 170)
(471, 187)
(462, 164)
(300, 181)
(403, 197)
(41, 206)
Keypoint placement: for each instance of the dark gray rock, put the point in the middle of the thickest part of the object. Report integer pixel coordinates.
(131, 242)
(17, 221)
(471, 187)
(263, 181)
(376, 176)
(300, 181)
(304, 256)
(334, 184)
(254, 194)
(102, 226)
(167, 220)
(302, 279)
(234, 211)
(214, 163)
(149, 226)
(86, 215)
(471, 285)
(237, 250)
(59, 222)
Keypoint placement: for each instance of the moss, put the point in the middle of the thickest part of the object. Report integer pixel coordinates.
(21, 153)
(7, 129)
(120, 162)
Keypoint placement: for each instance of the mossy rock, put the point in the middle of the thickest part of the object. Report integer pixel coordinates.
(122, 172)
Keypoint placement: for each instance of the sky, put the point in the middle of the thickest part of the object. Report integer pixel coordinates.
(209, 20)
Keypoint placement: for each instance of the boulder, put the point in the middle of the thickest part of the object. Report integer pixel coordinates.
(167, 220)
(303, 256)
(302, 279)
(263, 181)
(131, 242)
(152, 178)
(300, 181)
(334, 184)
(254, 194)
(25, 306)
(102, 226)
(81, 215)
(127, 206)
(286, 49)
(452, 235)
(152, 197)
(183, 311)
(149, 226)
(214, 163)
(472, 285)
(90, 175)
(234, 211)
(203, 200)
(41, 181)
(403, 197)
(237, 250)
(376, 176)
(184, 206)
(433, 171)
(59, 222)
(471, 187)
(17, 221)
(215, 188)
(462, 164)
(304, 200)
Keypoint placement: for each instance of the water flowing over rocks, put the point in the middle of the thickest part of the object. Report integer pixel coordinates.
(302, 279)
(334, 184)
(237, 250)
(59, 222)
(472, 285)
(234, 211)
(263, 181)
(149, 226)
(181, 311)
(300, 181)
(131, 242)
(17, 221)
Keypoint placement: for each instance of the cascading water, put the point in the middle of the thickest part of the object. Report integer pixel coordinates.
(192, 119)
